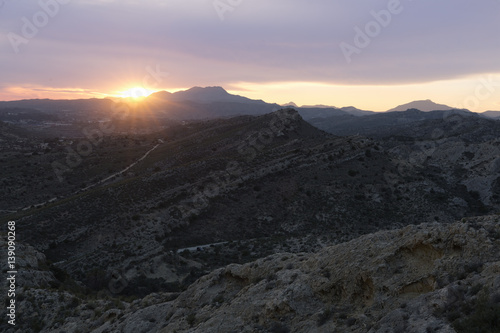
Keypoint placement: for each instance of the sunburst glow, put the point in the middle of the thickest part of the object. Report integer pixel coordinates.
(135, 93)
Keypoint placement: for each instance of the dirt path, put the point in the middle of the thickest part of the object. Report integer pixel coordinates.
(95, 184)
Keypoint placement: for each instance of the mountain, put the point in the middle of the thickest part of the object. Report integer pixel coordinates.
(355, 111)
(203, 95)
(314, 113)
(204, 103)
(194, 103)
(491, 114)
(422, 105)
(199, 95)
(383, 124)
(322, 112)
(317, 106)
(290, 104)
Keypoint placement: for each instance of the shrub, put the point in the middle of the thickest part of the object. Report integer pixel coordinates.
(352, 173)
(484, 319)
(191, 318)
(475, 195)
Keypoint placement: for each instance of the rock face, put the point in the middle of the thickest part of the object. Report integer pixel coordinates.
(422, 278)
(396, 281)
(32, 266)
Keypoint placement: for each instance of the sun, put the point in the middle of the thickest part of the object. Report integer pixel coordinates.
(135, 93)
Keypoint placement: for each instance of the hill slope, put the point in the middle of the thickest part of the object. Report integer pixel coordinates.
(250, 186)
(386, 124)
(422, 278)
(412, 279)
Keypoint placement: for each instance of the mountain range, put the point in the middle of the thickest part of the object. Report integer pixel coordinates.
(202, 211)
(162, 108)
(204, 103)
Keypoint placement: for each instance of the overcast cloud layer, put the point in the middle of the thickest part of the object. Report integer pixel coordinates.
(106, 45)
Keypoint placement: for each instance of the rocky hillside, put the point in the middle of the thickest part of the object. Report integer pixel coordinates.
(142, 217)
(425, 278)
(211, 193)
(421, 278)
(386, 124)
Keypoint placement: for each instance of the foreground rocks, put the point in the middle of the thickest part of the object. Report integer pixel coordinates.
(422, 278)
(406, 280)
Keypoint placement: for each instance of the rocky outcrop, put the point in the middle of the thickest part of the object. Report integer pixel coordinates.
(401, 280)
(421, 278)
(33, 271)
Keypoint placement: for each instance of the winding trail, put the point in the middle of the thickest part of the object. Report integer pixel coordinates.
(92, 185)
(195, 248)
(119, 172)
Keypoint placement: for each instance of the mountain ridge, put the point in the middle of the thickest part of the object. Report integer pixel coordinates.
(204, 95)
(422, 105)
(212, 94)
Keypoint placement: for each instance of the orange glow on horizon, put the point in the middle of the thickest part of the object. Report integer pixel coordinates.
(461, 93)
(135, 93)
(16, 93)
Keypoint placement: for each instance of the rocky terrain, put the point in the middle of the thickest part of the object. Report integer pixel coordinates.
(244, 188)
(252, 186)
(421, 278)
(154, 210)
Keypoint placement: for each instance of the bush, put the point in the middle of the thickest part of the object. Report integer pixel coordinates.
(352, 173)
(36, 324)
(191, 318)
(484, 319)
(475, 195)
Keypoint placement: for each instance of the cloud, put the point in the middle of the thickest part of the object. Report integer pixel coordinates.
(97, 44)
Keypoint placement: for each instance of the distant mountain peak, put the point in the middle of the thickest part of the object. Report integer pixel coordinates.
(290, 104)
(491, 114)
(208, 95)
(163, 94)
(319, 106)
(210, 88)
(425, 105)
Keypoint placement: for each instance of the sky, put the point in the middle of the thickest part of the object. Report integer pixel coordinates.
(372, 54)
